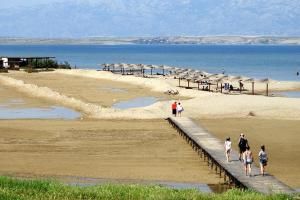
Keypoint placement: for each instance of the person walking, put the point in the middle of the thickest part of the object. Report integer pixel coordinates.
(174, 109)
(243, 144)
(179, 109)
(248, 159)
(227, 147)
(263, 159)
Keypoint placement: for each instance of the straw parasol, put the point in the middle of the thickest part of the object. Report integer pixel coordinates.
(267, 81)
(182, 76)
(164, 67)
(123, 66)
(208, 80)
(197, 79)
(105, 65)
(252, 81)
(222, 80)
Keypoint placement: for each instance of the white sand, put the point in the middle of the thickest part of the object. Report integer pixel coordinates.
(202, 105)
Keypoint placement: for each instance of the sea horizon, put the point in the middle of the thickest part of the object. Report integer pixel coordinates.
(279, 62)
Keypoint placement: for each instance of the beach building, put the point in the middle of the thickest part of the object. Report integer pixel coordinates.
(10, 62)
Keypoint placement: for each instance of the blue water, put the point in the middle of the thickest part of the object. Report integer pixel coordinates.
(135, 103)
(54, 112)
(8, 111)
(257, 61)
(290, 94)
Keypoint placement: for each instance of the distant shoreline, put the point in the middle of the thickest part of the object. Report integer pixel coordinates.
(178, 40)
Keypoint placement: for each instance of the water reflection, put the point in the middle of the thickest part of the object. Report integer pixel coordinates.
(136, 102)
(53, 112)
(10, 110)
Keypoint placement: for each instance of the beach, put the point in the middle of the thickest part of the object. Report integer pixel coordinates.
(119, 150)
(137, 143)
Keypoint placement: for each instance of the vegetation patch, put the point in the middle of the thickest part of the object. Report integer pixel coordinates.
(36, 189)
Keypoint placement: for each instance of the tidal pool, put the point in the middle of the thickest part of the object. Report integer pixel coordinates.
(10, 110)
(289, 94)
(136, 103)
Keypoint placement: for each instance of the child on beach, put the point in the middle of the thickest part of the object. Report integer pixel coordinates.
(179, 109)
(227, 147)
(263, 159)
(248, 159)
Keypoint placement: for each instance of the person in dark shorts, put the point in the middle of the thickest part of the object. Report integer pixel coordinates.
(174, 108)
(248, 159)
(243, 144)
(263, 159)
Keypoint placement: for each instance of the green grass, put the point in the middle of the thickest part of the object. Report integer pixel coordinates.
(11, 189)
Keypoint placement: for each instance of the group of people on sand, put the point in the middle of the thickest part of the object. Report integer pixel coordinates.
(246, 155)
(177, 109)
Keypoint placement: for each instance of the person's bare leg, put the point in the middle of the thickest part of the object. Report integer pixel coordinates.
(246, 169)
(227, 156)
(249, 171)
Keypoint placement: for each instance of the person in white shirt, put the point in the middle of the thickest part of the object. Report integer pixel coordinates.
(227, 147)
(179, 109)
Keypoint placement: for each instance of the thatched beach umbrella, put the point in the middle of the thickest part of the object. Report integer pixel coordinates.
(164, 67)
(105, 66)
(123, 66)
(222, 80)
(182, 76)
(209, 81)
(252, 81)
(267, 82)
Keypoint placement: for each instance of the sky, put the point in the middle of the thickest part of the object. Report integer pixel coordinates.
(126, 18)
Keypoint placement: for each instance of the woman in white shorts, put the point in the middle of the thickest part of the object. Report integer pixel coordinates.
(227, 147)
(179, 109)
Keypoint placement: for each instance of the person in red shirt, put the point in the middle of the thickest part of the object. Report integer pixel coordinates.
(174, 108)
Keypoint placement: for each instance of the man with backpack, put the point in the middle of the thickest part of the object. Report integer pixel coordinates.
(243, 144)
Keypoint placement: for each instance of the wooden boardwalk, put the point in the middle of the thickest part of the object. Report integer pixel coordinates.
(212, 150)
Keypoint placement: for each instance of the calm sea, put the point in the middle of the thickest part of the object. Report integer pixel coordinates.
(258, 61)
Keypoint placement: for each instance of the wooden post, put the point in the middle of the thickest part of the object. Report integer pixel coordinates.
(209, 86)
(179, 81)
(252, 88)
(221, 87)
(267, 89)
(188, 83)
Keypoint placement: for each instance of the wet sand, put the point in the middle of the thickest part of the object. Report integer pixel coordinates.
(9, 95)
(281, 138)
(118, 149)
(90, 90)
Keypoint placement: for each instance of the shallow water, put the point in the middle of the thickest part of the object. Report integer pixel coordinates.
(8, 110)
(53, 112)
(136, 103)
(290, 94)
(114, 89)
